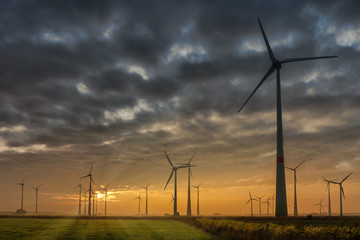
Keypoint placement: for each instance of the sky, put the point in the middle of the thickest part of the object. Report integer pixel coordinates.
(118, 82)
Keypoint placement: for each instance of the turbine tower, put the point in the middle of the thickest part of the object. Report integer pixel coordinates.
(188, 213)
(198, 205)
(146, 201)
(281, 203)
(90, 188)
(328, 189)
(320, 205)
(259, 199)
(36, 203)
(80, 187)
(22, 194)
(139, 197)
(295, 198)
(85, 196)
(106, 193)
(174, 169)
(251, 203)
(342, 194)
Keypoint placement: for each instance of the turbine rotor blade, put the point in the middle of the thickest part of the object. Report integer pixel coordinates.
(169, 179)
(248, 201)
(92, 164)
(346, 177)
(190, 172)
(271, 54)
(342, 191)
(288, 60)
(268, 73)
(191, 158)
(299, 164)
(168, 158)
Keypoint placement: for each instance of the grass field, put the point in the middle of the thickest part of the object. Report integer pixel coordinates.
(40, 229)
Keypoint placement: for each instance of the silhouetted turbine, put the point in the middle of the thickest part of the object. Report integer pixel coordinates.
(90, 188)
(251, 203)
(174, 169)
(188, 213)
(259, 199)
(80, 187)
(328, 189)
(295, 197)
(320, 205)
(36, 203)
(273, 206)
(146, 198)
(281, 204)
(198, 198)
(106, 192)
(139, 197)
(22, 193)
(342, 194)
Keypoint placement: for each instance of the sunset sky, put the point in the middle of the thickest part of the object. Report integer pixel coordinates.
(118, 82)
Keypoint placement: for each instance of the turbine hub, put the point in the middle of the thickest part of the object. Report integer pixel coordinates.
(277, 64)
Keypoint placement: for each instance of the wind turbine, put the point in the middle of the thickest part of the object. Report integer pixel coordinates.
(90, 188)
(106, 192)
(37, 191)
(198, 205)
(22, 194)
(342, 194)
(295, 198)
(188, 213)
(320, 205)
(251, 203)
(272, 198)
(139, 197)
(259, 199)
(281, 204)
(146, 202)
(328, 189)
(174, 169)
(267, 205)
(80, 187)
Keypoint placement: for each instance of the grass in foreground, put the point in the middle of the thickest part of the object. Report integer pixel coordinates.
(41, 229)
(286, 229)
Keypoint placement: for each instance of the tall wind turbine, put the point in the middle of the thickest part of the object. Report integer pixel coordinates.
(188, 213)
(90, 188)
(22, 194)
(251, 203)
(198, 205)
(80, 187)
(106, 193)
(139, 197)
(281, 204)
(267, 205)
(146, 202)
(295, 198)
(320, 205)
(174, 169)
(342, 194)
(36, 203)
(328, 189)
(259, 199)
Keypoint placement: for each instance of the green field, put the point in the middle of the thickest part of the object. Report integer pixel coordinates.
(34, 228)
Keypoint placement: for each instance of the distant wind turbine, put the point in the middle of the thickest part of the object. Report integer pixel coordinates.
(267, 205)
(188, 213)
(172, 199)
(85, 196)
(328, 189)
(36, 203)
(259, 199)
(273, 206)
(80, 187)
(22, 194)
(281, 203)
(251, 203)
(90, 188)
(174, 169)
(198, 195)
(342, 194)
(320, 205)
(106, 193)
(139, 197)
(146, 198)
(295, 198)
